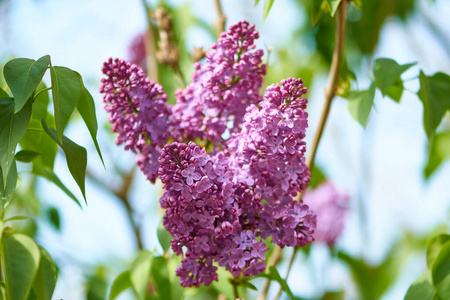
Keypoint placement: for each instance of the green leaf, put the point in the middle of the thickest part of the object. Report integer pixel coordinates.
(2, 290)
(386, 71)
(161, 277)
(66, 92)
(434, 93)
(47, 173)
(26, 155)
(421, 289)
(3, 94)
(86, 108)
(20, 262)
(6, 111)
(53, 216)
(438, 151)
(96, 285)
(45, 281)
(333, 4)
(15, 218)
(7, 192)
(360, 104)
(140, 273)
(440, 272)
(267, 6)
(10, 136)
(40, 102)
(274, 275)
(120, 284)
(317, 177)
(76, 157)
(256, 2)
(434, 246)
(35, 139)
(23, 76)
(395, 92)
(164, 237)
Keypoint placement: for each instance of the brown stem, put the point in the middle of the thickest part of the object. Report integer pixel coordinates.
(149, 42)
(221, 18)
(122, 195)
(330, 92)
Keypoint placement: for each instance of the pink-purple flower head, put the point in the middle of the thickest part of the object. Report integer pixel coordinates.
(330, 204)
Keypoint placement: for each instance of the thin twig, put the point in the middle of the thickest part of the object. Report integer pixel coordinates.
(330, 93)
(235, 287)
(221, 18)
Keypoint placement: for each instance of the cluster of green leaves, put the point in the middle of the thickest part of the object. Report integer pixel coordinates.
(29, 272)
(433, 94)
(434, 284)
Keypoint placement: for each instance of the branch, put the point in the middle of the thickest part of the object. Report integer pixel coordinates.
(219, 24)
(149, 42)
(330, 93)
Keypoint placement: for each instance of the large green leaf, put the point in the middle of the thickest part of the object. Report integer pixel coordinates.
(360, 104)
(20, 262)
(434, 93)
(120, 284)
(48, 173)
(66, 92)
(76, 157)
(440, 272)
(23, 76)
(386, 71)
(421, 289)
(438, 151)
(45, 281)
(10, 136)
(140, 273)
(6, 193)
(86, 108)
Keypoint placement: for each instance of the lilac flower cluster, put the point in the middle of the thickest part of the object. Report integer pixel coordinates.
(222, 87)
(203, 215)
(138, 112)
(268, 156)
(136, 51)
(220, 206)
(331, 206)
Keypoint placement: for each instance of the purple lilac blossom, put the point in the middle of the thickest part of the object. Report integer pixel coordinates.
(267, 157)
(203, 216)
(136, 51)
(330, 204)
(220, 206)
(222, 87)
(138, 112)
